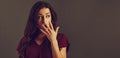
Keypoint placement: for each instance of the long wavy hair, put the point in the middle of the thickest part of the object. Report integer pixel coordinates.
(31, 30)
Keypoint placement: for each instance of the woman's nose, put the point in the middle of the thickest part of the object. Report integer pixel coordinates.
(44, 20)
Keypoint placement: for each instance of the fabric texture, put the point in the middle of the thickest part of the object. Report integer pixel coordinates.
(44, 50)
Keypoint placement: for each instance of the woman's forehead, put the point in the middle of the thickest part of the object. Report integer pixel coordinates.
(44, 11)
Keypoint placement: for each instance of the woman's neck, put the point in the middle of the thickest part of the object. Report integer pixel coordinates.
(40, 39)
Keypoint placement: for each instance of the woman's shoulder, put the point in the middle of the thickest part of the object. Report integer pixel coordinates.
(62, 40)
(61, 34)
(61, 37)
(25, 39)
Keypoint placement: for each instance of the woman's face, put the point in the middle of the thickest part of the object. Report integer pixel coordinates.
(44, 17)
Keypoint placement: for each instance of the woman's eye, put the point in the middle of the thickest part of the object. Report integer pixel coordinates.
(40, 17)
(48, 16)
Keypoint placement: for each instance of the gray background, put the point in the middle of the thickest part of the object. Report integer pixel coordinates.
(92, 26)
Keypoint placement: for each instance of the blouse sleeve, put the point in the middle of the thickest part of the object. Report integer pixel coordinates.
(22, 42)
(62, 41)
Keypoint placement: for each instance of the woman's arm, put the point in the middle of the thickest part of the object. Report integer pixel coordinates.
(51, 34)
(56, 52)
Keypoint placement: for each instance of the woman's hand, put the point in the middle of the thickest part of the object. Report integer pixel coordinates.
(51, 34)
(49, 31)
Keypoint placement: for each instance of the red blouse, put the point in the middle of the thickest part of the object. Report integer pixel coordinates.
(44, 50)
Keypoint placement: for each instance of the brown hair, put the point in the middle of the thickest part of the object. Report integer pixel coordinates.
(31, 31)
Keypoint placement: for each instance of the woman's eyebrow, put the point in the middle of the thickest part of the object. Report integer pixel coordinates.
(45, 13)
(39, 14)
(48, 13)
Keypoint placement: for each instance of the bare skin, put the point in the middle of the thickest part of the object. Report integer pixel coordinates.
(46, 27)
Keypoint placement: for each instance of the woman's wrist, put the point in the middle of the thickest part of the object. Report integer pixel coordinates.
(53, 40)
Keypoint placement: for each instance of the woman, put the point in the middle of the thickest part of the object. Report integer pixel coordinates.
(41, 38)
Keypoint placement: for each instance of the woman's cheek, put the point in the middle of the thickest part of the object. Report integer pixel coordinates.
(47, 22)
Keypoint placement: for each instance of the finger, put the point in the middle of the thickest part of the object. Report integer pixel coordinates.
(43, 31)
(51, 25)
(45, 28)
(46, 25)
(57, 29)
